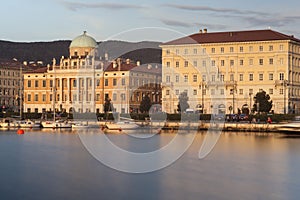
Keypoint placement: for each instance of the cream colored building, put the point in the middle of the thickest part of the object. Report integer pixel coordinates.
(82, 82)
(223, 71)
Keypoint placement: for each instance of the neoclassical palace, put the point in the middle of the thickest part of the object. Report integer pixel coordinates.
(82, 82)
(221, 72)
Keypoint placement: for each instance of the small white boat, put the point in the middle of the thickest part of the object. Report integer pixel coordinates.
(291, 127)
(28, 124)
(56, 124)
(122, 125)
(80, 125)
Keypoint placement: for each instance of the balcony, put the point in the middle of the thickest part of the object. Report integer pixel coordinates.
(281, 83)
(167, 84)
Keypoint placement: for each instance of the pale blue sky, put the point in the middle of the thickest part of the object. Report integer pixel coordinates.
(47, 20)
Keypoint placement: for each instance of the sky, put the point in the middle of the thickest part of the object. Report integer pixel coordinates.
(140, 20)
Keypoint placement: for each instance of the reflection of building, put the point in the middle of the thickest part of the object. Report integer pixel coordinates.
(223, 71)
(81, 85)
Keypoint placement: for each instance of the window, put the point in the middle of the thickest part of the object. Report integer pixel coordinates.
(261, 77)
(186, 78)
(241, 49)
(281, 76)
(271, 48)
(213, 63)
(231, 77)
(271, 61)
(98, 97)
(203, 63)
(281, 47)
(231, 49)
(271, 77)
(261, 61)
(177, 64)
(270, 91)
(168, 79)
(281, 91)
(281, 61)
(195, 78)
(123, 97)
(106, 82)
(204, 50)
(231, 91)
(222, 91)
(177, 78)
(36, 97)
(44, 97)
(222, 77)
(177, 51)
(250, 77)
(168, 64)
(36, 110)
(204, 91)
(241, 91)
(222, 49)
(74, 83)
(123, 81)
(251, 61)
(186, 63)
(222, 63)
(203, 77)
(29, 97)
(213, 50)
(114, 82)
(28, 83)
(195, 63)
(241, 77)
(194, 92)
(114, 97)
(231, 62)
(261, 48)
(195, 51)
(167, 92)
(213, 78)
(168, 51)
(241, 62)
(250, 48)
(250, 91)
(44, 83)
(177, 92)
(186, 51)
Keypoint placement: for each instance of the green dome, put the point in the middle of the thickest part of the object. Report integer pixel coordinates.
(83, 41)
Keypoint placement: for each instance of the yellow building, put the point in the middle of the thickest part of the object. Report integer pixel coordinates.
(84, 80)
(222, 71)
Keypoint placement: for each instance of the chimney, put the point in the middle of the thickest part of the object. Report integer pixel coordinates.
(114, 64)
(106, 56)
(149, 66)
(25, 63)
(205, 30)
(200, 31)
(127, 61)
(138, 63)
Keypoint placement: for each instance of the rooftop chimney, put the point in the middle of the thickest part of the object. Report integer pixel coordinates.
(114, 64)
(127, 61)
(200, 31)
(205, 30)
(138, 63)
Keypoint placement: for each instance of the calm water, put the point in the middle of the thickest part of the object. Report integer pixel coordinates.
(55, 165)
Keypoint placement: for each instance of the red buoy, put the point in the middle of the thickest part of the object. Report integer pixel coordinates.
(20, 132)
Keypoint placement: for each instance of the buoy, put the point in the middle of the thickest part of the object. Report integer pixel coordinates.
(120, 129)
(20, 132)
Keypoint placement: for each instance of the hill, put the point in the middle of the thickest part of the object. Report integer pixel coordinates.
(146, 52)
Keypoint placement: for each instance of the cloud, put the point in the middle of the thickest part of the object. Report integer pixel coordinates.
(74, 6)
(177, 23)
(211, 9)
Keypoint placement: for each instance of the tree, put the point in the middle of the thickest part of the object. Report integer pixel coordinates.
(108, 105)
(183, 102)
(145, 104)
(262, 102)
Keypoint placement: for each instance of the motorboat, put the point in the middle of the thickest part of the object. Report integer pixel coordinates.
(80, 125)
(56, 124)
(28, 124)
(290, 127)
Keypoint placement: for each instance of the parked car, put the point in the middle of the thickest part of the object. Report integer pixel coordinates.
(232, 118)
(243, 117)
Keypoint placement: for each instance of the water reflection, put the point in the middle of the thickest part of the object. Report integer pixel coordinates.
(53, 164)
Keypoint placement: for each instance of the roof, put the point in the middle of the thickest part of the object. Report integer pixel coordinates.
(132, 67)
(83, 41)
(232, 36)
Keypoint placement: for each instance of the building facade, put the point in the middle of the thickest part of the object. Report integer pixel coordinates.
(84, 80)
(221, 72)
